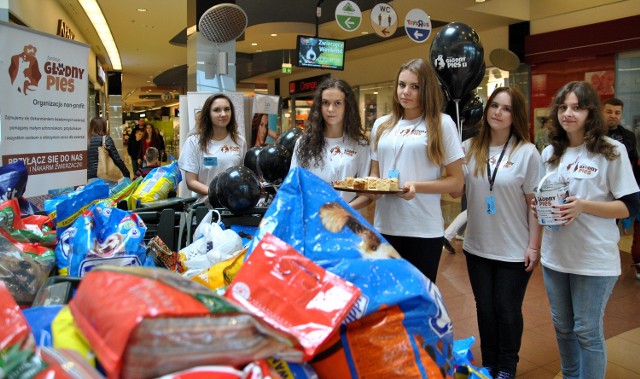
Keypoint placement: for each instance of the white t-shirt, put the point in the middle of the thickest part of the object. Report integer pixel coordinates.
(407, 142)
(342, 158)
(589, 245)
(219, 156)
(502, 236)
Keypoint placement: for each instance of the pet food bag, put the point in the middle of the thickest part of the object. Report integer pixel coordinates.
(102, 236)
(400, 319)
(158, 183)
(144, 323)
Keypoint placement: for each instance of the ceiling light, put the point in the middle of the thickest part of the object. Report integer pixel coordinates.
(254, 44)
(273, 35)
(258, 51)
(480, 1)
(93, 11)
(142, 9)
(364, 33)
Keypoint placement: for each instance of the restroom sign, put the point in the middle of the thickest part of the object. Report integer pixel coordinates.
(348, 16)
(384, 20)
(417, 24)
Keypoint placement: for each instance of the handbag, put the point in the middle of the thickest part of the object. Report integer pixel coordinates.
(107, 169)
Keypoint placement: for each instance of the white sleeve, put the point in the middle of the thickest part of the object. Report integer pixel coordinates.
(532, 168)
(620, 177)
(450, 140)
(190, 156)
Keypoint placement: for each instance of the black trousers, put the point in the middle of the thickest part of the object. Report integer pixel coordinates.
(423, 253)
(498, 288)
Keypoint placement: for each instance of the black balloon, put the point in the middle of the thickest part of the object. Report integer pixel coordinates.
(288, 139)
(238, 189)
(251, 160)
(458, 58)
(211, 193)
(274, 162)
(472, 113)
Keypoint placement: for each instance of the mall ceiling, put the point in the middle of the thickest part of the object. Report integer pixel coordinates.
(152, 44)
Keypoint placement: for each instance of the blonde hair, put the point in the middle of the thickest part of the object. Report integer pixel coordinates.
(431, 100)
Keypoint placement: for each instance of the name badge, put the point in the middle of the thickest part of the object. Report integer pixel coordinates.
(394, 174)
(210, 161)
(491, 205)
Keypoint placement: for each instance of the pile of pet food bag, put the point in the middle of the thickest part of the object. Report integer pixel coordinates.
(314, 292)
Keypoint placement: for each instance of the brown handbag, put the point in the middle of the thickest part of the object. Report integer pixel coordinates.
(107, 169)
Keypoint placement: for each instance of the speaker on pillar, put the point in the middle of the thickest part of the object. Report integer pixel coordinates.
(114, 82)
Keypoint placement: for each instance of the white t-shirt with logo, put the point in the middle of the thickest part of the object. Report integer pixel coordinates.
(406, 142)
(342, 158)
(502, 236)
(589, 245)
(220, 155)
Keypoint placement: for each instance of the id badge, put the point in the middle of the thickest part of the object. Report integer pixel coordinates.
(394, 174)
(491, 205)
(210, 161)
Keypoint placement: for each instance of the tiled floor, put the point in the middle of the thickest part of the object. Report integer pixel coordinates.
(539, 357)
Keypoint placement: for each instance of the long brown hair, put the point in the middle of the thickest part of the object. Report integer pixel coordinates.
(431, 100)
(204, 125)
(98, 126)
(479, 148)
(594, 129)
(312, 142)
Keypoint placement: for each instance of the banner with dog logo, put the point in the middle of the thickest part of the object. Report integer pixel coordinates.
(44, 87)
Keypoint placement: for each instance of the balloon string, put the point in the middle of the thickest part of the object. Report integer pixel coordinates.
(459, 126)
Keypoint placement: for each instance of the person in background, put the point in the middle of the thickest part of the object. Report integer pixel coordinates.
(152, 139)
(98, 128)
(580, 258)
(334, 145)
(612, 109)
(151, 161)
(542, 138)
(133, 147)
(260, 130)
(213, 146)
(502, 240)
(415, 144)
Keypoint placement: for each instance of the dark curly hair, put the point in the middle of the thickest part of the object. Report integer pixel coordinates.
(595, 127)
(312, 142)
(204, 125)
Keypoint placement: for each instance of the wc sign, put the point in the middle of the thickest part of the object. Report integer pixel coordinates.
(384, 20)
(417, 23)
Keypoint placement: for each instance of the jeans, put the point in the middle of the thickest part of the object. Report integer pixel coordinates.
(498, 288)
(423, 253)
(577, 309)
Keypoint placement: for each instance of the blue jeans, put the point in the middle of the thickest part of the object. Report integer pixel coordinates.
(577, 309)
(498, 288)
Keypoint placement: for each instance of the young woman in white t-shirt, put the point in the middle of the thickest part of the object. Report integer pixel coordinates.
(580, 258)
(415, 143)
(213, 146)
(502, 240)
(334, 145)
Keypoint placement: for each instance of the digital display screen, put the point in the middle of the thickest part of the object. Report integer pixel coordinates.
(319, 52)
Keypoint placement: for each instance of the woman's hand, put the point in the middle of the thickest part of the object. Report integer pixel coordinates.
(531, 258)
(370, 196)
(570, 210)
(410, 193)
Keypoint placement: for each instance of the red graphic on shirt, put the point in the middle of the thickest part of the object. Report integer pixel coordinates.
(409, 132)
(24, 71)
(334, 151)
(230, 149)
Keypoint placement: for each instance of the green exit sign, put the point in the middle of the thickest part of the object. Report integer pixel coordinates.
(286, 68)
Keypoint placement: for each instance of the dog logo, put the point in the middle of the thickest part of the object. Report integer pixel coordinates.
(23, 70)
(308, 53)
(335, 150)
(112, 245)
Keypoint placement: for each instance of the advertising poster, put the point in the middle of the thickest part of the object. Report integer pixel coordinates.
(43, 107)
(264, 130)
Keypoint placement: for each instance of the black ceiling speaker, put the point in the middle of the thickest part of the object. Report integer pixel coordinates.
(223, 23)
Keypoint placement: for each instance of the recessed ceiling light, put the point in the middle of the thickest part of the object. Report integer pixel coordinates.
(254, 44)
(274, 35)
(364, 33)
(258, 51)
(142, 9)
(480, 1)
